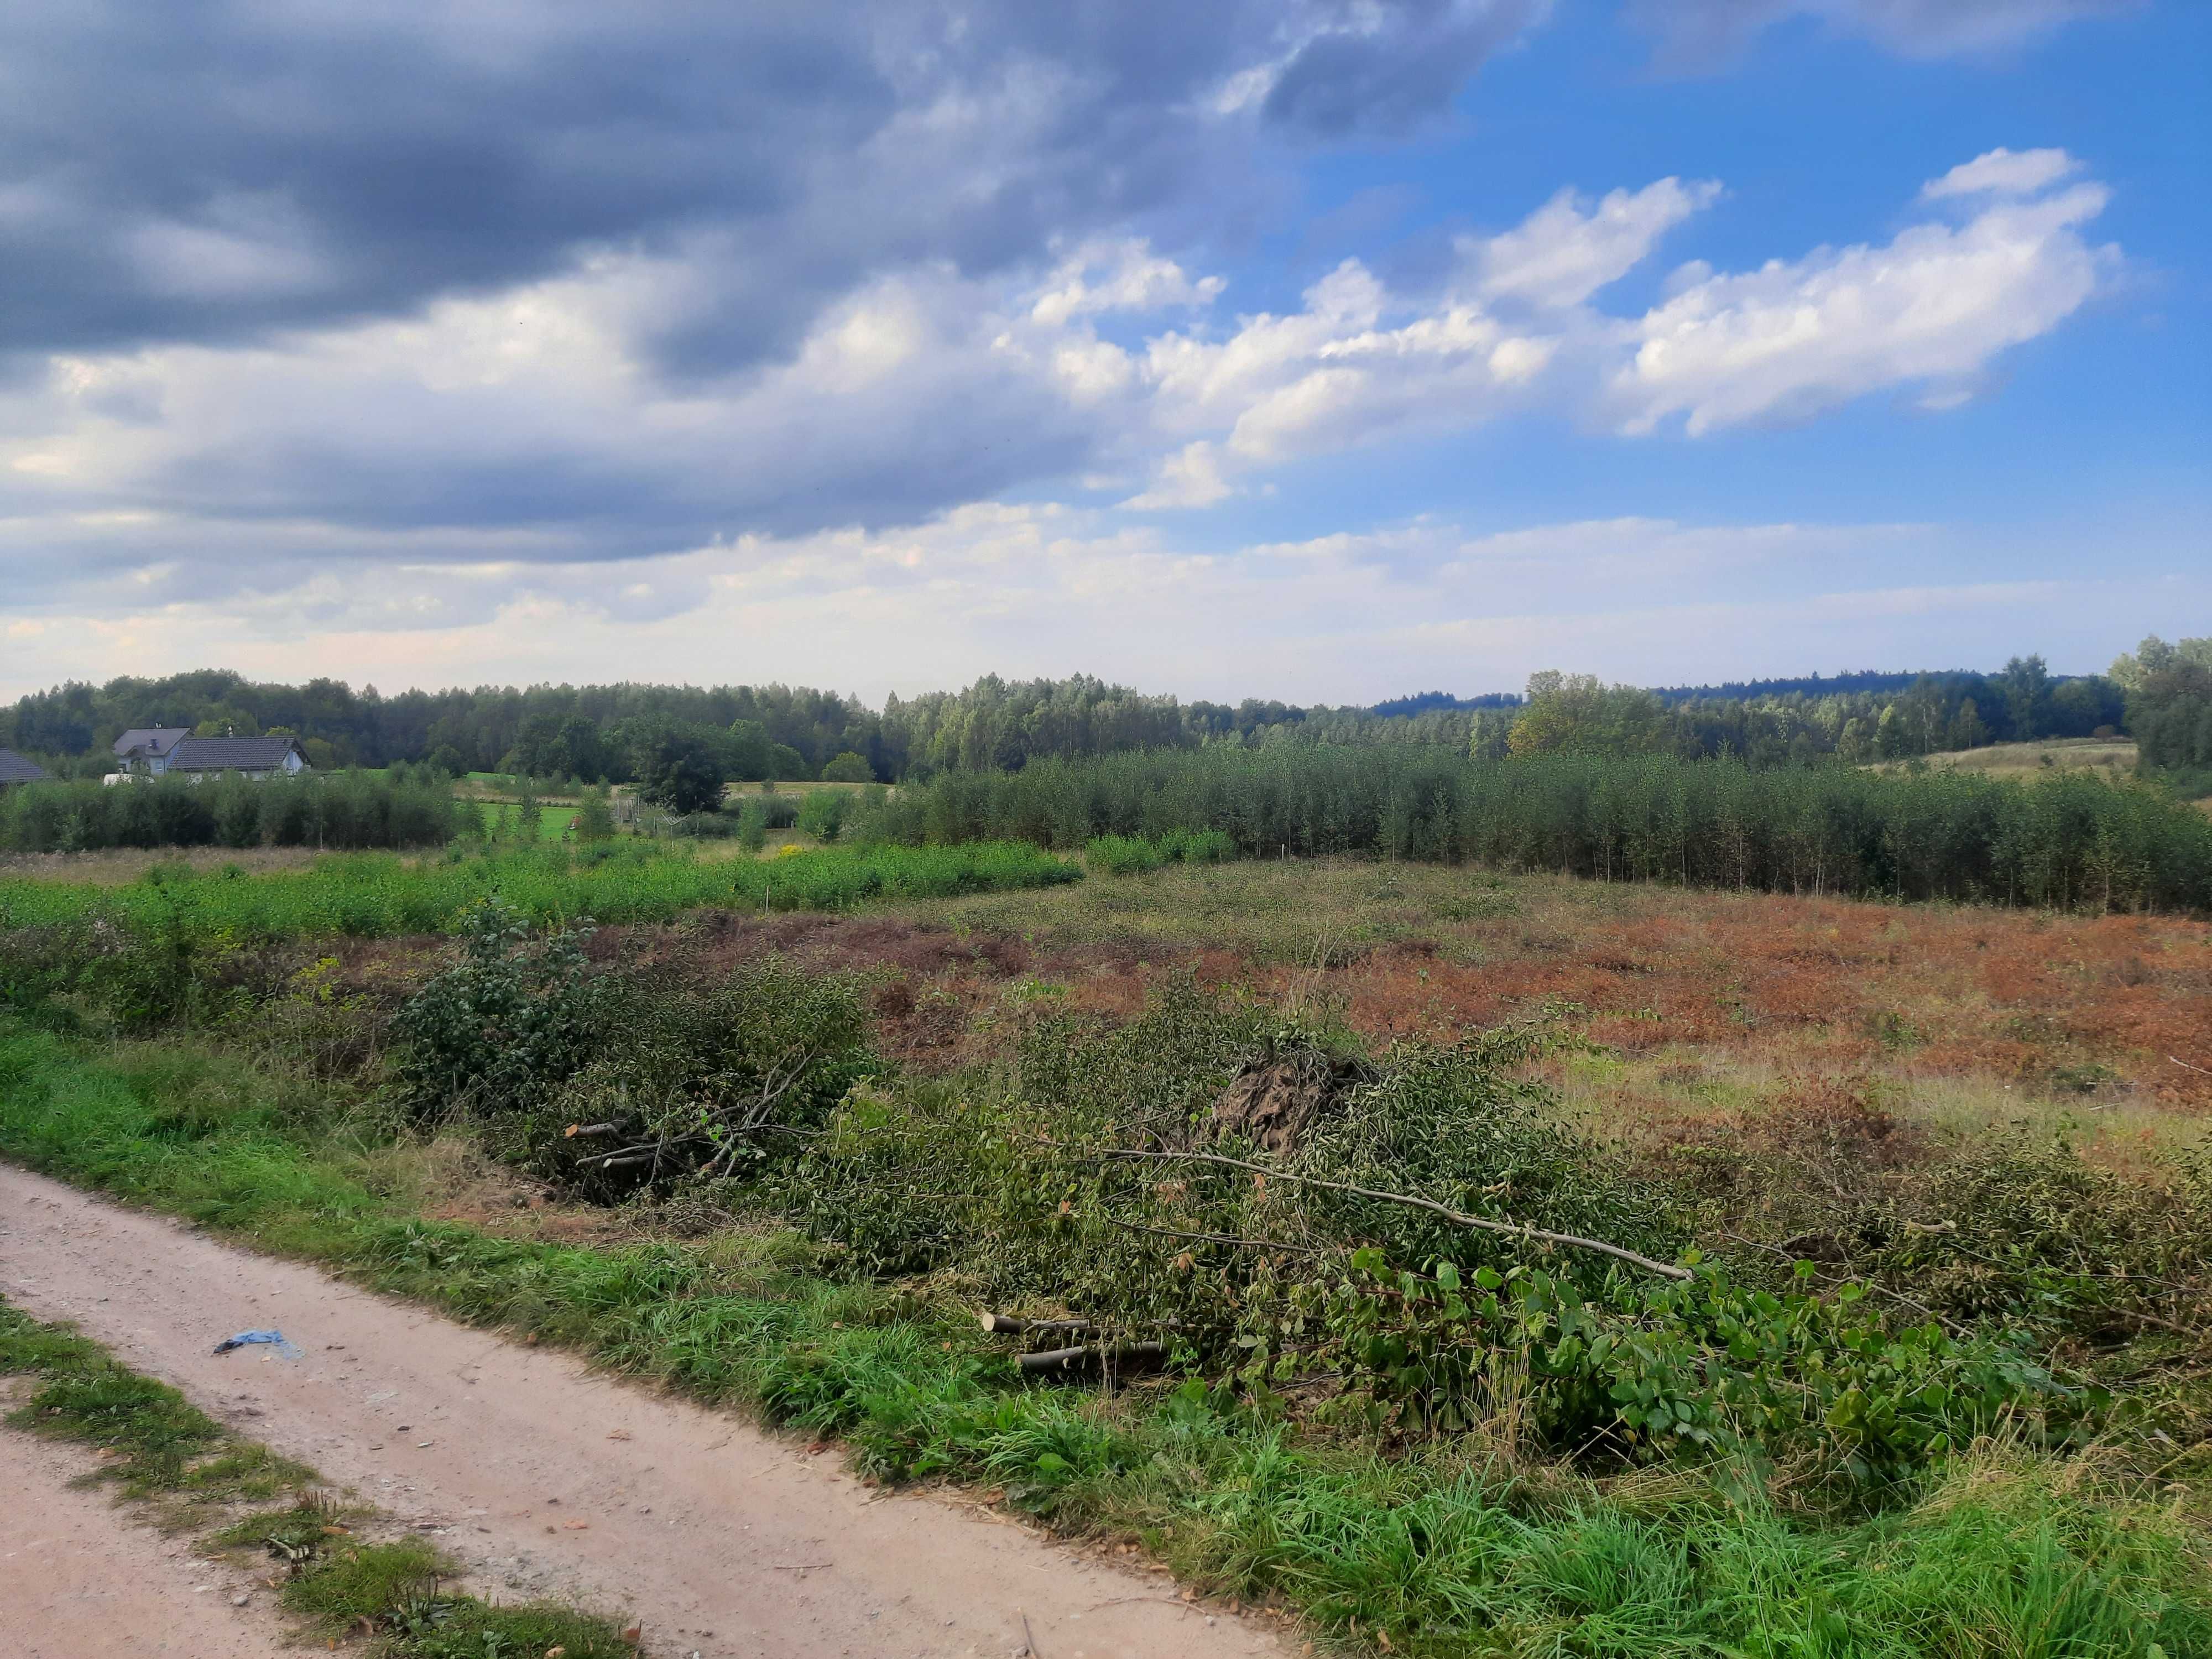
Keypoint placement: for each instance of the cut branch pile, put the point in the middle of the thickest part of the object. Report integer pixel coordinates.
(703, 1138)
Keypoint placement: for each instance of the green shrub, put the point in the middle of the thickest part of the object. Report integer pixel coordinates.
(495, 1033)
(822, 814)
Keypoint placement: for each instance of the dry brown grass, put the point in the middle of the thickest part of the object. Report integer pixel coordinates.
(1710, 1007)
(117, 867)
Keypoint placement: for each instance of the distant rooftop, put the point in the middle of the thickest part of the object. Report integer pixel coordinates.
(13, 768)
(230, 754)
(152, 739)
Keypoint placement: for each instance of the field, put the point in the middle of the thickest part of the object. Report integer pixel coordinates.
(1899, 1353)
(2113, 757)
(502, 819)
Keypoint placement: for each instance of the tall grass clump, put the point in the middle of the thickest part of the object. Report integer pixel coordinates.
(1122, 855)
(2070, 842)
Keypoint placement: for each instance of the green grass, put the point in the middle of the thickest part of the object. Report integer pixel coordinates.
(161, 1450)
(1455, 1548)
(156, 1444)
(503, 819)
(379, 895)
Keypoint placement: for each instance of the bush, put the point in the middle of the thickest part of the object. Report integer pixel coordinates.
(847, 768)
(717, 1073)
(373, 896)
(1077, 1187)
(494, 1034)
(823, 813)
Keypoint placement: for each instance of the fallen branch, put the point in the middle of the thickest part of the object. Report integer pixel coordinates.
(998, 1324)
(1457, 1218)
(2186, 1067)
(1089, 1361)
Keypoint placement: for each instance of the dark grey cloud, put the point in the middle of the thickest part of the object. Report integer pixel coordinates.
(213, 169)
(1398, 75)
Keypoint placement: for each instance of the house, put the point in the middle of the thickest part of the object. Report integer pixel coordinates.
(13, 768)
(146, 748)
(254, 757)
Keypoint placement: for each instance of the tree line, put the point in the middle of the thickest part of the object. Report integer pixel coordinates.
(620, 733)
(2069, 841)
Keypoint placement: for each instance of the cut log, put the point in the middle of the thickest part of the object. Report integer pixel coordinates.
(1095, 1361)
(1000, 1324)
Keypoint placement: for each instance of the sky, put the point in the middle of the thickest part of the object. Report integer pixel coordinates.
(1319, 349)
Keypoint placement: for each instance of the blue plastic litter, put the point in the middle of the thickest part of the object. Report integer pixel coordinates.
(245, 1338)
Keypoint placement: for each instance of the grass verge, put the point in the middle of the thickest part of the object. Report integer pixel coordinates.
(1458, 1548)
(192, 1474)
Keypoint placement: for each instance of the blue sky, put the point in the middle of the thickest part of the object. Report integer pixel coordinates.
(1324, 351)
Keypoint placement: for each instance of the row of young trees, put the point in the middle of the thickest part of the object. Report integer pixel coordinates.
(406, 807)
(2070, 842)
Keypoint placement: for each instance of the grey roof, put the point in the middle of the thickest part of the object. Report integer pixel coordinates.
(155, 739)
(13, 768)
(230, 754)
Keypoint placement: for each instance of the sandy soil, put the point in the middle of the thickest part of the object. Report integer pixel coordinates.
(79, 1581)
(547, 1480)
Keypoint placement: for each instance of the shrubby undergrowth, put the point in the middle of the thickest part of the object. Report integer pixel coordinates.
(1450, 1545)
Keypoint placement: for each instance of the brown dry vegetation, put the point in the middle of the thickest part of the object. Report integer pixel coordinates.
(1703, 1007)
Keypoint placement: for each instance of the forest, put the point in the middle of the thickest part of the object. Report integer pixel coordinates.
(596, 733)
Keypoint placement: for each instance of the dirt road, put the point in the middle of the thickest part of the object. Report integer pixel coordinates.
(79, 1581)
(547, 1479)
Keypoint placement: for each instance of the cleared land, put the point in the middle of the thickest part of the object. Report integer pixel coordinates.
(1937, 1157)
(2114, 757)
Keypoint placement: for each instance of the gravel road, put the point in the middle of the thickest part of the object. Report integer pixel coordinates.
(547, 1478)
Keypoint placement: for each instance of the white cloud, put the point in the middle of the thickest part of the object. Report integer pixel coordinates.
(1934, 305)
(1569, 248)
(1031, 589)
(1125, 276)
(537, 424)
(2003, 172)
(1189, 477)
